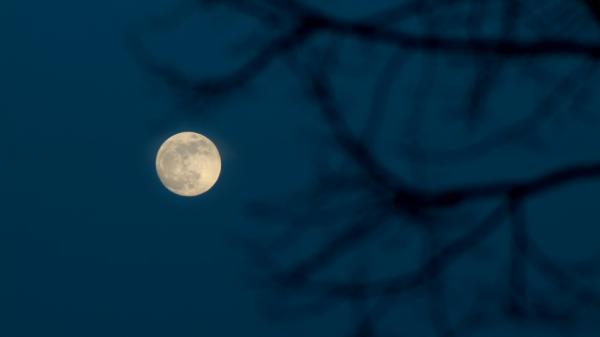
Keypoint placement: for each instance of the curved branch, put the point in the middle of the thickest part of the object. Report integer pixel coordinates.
(399, 284)
(515, 132)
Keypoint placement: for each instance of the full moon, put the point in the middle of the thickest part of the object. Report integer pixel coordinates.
(188, 164)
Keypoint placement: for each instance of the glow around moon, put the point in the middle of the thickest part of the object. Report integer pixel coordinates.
(188, 164)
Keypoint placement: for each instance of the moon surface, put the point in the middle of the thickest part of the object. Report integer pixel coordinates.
(188, 164)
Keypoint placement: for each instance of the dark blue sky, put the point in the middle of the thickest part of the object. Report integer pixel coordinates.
(92, 245)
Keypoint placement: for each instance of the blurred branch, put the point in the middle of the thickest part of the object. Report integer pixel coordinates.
(309, 22)
(386, 194)
(522, 131)
(399, 284)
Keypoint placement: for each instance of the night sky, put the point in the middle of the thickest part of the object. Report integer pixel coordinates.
(91, 244)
